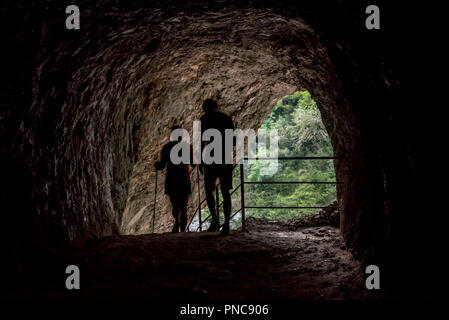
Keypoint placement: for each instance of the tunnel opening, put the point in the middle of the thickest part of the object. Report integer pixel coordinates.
(297, 120)
(245, 77)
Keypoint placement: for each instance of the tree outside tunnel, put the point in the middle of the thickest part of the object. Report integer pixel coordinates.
(302, 133)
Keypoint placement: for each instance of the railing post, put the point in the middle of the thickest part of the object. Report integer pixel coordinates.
(242, 195)
(199, 197)
(217, 199)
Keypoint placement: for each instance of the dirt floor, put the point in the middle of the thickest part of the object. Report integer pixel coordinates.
(267, 263)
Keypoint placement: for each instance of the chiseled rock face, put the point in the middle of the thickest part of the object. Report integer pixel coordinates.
(85, 113)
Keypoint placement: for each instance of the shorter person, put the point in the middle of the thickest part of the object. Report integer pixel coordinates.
(177, 183)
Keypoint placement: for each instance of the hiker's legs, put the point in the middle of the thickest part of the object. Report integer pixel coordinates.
(183, 212)
(226, 203)
(227, 210)
(209, 185)
(175, 211)
(226, 185)
(215, 224)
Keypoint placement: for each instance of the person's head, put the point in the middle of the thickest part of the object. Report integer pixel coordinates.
(175, 128)
(209, 106)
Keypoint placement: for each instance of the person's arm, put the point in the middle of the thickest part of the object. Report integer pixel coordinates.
(230, 125)
(193, 159)
(160, 165)
(203, 125)
(203, 143)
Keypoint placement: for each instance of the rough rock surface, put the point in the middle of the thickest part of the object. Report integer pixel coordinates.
(267, 265)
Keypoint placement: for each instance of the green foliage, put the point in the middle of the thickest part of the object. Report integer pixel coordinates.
(301, 133)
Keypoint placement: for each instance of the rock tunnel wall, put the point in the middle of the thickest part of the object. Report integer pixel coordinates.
(84, 113)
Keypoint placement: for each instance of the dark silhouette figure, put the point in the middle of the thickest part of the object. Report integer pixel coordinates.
(214, 119)
(177, 183)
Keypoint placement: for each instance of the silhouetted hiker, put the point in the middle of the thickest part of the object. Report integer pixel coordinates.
(214, 119)
(177, 183)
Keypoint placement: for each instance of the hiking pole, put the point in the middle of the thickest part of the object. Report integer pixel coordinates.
(154, 207)
(199, 197)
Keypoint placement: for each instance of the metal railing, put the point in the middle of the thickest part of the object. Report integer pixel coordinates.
(242, 184)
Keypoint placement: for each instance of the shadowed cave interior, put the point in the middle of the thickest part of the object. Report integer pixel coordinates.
(85, 113)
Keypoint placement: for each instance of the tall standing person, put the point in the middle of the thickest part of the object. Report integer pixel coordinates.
(213, 118)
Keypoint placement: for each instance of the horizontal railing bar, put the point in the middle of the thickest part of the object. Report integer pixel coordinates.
(235, 213)
(293, 158)
(314, 207)
(193, 217)
(236, 188)
(232, 216)
(276, 182)
(293, 182)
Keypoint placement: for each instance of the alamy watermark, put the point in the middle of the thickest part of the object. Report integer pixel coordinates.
(372, 22)
(373, 279)
(215, 144)
(73, 280)
(72, 22)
